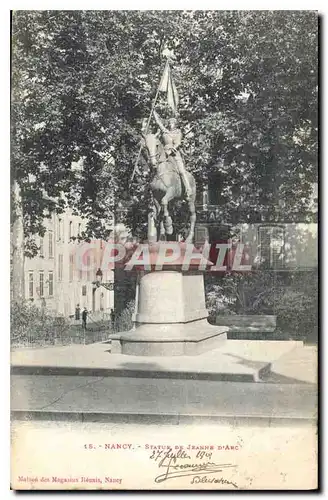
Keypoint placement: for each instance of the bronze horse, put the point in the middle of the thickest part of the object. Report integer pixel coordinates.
(165, 187)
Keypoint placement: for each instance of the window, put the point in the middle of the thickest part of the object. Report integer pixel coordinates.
(51, 246)
(71, 268)
(60, 229)
(41, 247)
(60, 267)
(70, 230)
(41, 284)
(79, 229)
(84, 290)
(88, 265)
(200, 196)
(271, 246)
(51, 283)
(215, 183)
(201, 235)
(30, 285)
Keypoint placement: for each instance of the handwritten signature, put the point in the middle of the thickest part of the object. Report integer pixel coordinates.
(205, 479)
(175, 466)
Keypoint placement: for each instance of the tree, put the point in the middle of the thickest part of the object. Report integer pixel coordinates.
(83, 81)
(17, 246)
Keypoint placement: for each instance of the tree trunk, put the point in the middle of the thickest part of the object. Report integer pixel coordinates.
(17, 247)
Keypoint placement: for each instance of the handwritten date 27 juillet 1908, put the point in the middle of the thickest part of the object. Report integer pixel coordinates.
(197, 465)
(193, 461)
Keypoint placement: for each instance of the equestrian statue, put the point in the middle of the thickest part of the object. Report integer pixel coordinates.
(171, 180)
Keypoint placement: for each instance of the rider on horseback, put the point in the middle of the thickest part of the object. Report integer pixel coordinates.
(172, 138)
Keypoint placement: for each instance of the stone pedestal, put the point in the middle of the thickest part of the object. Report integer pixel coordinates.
(170, 317)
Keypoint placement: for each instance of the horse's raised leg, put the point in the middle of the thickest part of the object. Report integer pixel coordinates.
(152, 230)
(161, 230)
(159, 220)
(168, 225)
(192, 211)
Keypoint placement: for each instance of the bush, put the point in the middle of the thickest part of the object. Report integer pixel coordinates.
(292, 297)
(124, 322)
(240, 293)
(296, 306)
(33, 325)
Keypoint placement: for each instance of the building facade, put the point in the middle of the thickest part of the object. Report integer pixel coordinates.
(55, 279)
(275, 242)
(276, 246)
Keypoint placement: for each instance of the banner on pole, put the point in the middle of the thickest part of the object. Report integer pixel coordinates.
(167, 85)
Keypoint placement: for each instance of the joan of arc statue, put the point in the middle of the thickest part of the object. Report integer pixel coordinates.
(172, 138)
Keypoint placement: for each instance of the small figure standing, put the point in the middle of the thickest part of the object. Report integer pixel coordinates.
(84, 318)
(112, 318)
(77, 312)
(172, 138)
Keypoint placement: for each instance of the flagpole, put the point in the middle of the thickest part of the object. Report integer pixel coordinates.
(146, 129)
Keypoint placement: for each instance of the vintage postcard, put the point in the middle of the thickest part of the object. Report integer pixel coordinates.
(164, 269)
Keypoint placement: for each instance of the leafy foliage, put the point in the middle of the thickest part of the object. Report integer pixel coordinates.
(292, 297)
(296, 306)
(123, 322)
(241, 293)
(33, 325)
(82, 81)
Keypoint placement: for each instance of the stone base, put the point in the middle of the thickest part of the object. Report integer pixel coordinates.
(170, 297)
(170, 315)
(233, 361)
(184, 339)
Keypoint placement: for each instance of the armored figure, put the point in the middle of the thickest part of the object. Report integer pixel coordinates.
(170, 181)
(172, 138)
